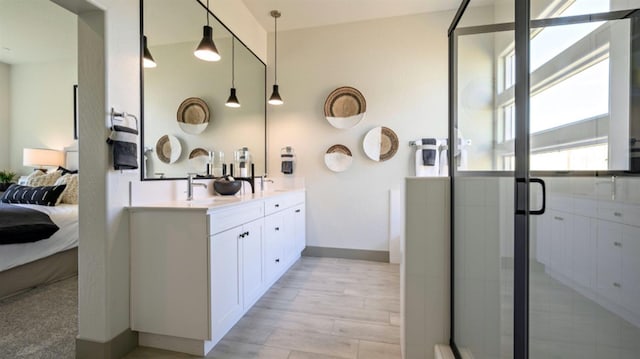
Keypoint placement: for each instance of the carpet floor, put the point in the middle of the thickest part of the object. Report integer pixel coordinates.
(40, 323)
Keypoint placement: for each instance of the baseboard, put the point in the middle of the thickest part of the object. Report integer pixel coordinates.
(346, 253)
(115, 348)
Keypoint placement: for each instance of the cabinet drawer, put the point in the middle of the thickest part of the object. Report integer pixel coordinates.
(278, 203)
(619, 213)
(223, 219)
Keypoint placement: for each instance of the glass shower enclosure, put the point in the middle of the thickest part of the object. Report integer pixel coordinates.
(545, 192)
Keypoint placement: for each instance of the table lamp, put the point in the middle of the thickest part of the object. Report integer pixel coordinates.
(38, 158)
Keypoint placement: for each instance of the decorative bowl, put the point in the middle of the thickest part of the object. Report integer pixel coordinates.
(226, 187)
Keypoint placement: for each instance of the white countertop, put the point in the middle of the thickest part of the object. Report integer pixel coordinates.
(213, 202)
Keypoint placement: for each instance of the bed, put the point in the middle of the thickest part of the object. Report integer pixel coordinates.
(27, 265)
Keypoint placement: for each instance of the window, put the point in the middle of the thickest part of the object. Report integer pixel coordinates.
(594, 157)
(581, 96)
(570, 94)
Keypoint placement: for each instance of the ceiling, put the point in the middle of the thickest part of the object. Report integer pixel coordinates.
(36, 31)
(297, 14)
(39, 30)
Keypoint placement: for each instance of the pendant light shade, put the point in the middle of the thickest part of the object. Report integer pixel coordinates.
(233, 99)
(207, 50)
(147, 59)
(275, 98)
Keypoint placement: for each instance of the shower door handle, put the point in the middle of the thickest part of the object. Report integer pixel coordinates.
(520, 192)
(544, 196)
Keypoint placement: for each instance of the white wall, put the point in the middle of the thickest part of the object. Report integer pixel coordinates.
(104, 239)
(400, 66)
(41, 108)
(5, 84)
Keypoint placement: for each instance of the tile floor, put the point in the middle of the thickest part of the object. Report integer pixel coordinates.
(322, 308)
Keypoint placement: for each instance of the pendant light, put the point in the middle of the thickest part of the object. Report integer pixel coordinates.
(275, 98)
(233, 100)
(147, 59)
(207, 50)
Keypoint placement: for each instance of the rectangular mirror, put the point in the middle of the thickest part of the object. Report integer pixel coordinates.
(176, 95)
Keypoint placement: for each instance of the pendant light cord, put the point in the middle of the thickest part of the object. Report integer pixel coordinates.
(207, 12)
(275, 20)
(233, 62)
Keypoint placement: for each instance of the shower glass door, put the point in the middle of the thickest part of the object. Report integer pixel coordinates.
(584, 269)
(482, 187)
(545, 222)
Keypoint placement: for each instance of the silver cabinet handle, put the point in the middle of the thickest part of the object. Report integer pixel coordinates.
(617, 214)
(617, 244)
(558, 218)
(617, 285)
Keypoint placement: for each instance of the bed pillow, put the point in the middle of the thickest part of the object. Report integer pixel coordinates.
(44, 196)
(70, 194)
(43, 179)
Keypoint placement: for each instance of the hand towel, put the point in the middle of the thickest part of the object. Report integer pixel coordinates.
(124, 141)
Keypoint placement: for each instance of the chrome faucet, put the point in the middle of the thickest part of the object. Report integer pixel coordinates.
(190, 185)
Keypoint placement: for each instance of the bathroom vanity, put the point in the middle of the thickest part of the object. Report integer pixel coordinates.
(198, 266)
(593, 246)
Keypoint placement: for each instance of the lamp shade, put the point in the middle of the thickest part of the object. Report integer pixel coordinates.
(40, 157)
(275, 98)
(147, 59)
(233, 99)
(207, 50)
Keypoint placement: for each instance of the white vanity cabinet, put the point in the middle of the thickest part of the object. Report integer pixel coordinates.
(196, 269)
(284, 233)
(593, 246)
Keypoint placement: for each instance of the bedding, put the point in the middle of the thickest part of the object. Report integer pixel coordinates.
(65, 216)
(24, 225)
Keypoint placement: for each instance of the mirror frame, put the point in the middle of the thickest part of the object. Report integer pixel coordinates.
(141, 124)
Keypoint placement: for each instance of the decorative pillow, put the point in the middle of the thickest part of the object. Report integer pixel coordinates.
(70, 194)
(66, 171)
(45, 179)
(32, 176)
(44, 196)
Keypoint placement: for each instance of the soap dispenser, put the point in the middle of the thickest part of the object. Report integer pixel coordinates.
(243, 161)
(287, 159)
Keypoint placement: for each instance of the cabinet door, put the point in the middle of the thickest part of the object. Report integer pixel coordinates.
(543, 237)
(631, 269)
(300, 228)
(583, 263)
(560, 257)
(226, 292)
(288, 237)
(609, 258)
(252, 262)
(273, 235)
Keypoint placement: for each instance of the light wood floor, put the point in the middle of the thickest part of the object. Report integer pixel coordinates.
(322, 308)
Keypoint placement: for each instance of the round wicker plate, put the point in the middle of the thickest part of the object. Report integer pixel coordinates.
(193, 115)
(168, 149)
(338, 158)
(380, 143)
(345, 107)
